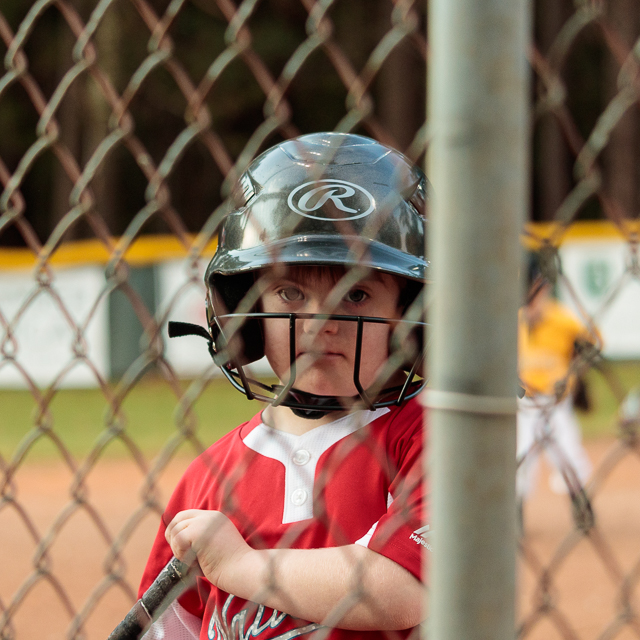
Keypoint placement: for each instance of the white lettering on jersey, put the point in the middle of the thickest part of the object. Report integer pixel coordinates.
(420, 536)
(220, 629)
(300, 454)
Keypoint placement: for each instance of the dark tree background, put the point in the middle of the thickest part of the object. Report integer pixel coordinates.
(317, 99)
(590, 69)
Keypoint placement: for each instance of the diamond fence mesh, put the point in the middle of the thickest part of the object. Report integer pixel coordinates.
(125, 126)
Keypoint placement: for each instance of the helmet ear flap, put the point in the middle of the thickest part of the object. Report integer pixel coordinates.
(415, 350)
(224, 295)
(412, 344)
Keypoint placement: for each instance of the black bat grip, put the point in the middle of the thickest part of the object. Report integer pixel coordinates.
(142, 612)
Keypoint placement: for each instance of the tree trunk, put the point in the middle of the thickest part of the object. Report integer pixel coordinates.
(621, 156)
(552, 177)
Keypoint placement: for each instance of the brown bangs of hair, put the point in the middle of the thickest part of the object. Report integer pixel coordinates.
(308, 275)
(311, 274)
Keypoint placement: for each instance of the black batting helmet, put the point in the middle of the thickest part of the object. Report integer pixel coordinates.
(322, 199)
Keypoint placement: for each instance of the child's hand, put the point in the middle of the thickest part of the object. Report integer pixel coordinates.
(211, 538)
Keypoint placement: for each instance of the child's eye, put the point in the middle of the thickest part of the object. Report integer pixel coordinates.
(291, 294)
(356, 296)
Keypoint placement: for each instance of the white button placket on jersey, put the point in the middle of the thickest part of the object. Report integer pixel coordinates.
(299, 495)
(300, 454)
(300, 477)
(301, 457)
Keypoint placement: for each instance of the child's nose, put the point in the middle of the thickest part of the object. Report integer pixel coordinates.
(315, 326)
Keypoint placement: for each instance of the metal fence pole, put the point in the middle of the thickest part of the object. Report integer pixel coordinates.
(478, 166)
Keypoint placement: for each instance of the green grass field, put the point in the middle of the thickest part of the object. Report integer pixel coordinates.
(616, 378)
(150, 415)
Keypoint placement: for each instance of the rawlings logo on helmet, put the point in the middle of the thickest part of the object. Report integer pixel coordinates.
(350, 199)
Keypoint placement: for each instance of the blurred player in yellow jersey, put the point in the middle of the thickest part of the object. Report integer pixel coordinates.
(548, 338)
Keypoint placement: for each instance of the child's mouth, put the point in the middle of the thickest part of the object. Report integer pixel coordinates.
(321, 355)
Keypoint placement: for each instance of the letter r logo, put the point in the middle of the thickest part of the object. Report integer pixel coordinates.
(350, 198)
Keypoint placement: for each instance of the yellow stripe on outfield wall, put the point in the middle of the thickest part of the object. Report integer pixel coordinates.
(536, 233)
(151, 249)
(144, 251)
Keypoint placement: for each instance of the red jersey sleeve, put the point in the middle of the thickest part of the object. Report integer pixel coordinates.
(402, 533)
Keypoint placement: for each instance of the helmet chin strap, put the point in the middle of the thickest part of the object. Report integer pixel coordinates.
(309, 414)
(325, 404)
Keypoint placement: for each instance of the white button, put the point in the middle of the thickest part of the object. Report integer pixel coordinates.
(302, 456)
(299, 497)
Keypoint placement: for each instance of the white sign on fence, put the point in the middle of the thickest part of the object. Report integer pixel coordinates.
(42, 341)
(605, 287)
(183, 300)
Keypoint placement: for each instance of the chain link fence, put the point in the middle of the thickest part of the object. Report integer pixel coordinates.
(125, 124)
(591, 42)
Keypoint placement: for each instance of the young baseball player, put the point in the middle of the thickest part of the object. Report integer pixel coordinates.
(548, 337)
(309, 520)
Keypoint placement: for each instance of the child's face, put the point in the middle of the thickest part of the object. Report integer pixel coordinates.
(325, 349)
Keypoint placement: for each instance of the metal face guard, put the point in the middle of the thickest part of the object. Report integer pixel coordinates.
(287, 395)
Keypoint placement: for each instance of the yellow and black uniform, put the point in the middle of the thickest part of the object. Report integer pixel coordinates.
(546, 421)
(546, 348)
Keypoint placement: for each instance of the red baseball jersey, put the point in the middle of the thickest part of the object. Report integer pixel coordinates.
(355, 480)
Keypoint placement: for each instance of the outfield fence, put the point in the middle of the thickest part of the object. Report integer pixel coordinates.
(126, 119)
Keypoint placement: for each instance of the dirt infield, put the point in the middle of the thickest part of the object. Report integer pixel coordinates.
(585, 590)
(588, 574)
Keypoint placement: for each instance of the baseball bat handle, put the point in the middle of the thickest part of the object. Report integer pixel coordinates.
(142, 612)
